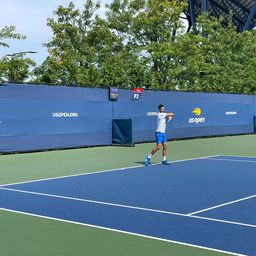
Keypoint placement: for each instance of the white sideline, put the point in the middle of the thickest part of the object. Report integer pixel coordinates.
(128, 207)
(110, 170)
(124, 232)
(232, 160)
(190, 215)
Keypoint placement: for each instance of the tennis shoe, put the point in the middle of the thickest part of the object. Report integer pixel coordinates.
(165, 162)
(147, 161)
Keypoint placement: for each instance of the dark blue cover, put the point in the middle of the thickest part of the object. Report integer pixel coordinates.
(122, 132)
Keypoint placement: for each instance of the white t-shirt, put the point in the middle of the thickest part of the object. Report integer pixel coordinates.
(161, 122)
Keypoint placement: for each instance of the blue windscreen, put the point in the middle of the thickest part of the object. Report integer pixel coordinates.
(195, 114)
(34, 117)
(42, 117)
(254, 103)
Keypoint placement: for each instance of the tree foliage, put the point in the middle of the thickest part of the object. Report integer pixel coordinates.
(8, 32)
(216, 59)
(125, 49)
(72, 56)
(14, 67)
(143, 43)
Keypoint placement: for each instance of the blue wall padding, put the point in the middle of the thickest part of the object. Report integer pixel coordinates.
(220, 113)
(254, 103)
(37, 117)
(42, 117)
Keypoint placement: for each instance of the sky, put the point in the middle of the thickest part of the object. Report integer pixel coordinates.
(30, 19)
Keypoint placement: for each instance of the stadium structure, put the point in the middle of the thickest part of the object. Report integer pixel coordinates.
(243, 12)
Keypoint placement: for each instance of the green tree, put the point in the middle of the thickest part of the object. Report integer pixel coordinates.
(8, 32)
(126, 49)
(13, 67)
(142, 43)
(16, 68)
(72, 58)
(84, 51)
(150, 29)
(215, 59)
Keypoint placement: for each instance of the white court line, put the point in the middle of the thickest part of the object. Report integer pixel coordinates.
(240, 156)
(109, 170)
(145, 209)
(221, 205)
(235, 201)
(124, 232)
(128, 207)
(90, 201)
(232, 160)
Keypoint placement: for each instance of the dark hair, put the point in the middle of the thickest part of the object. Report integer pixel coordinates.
(160, 106)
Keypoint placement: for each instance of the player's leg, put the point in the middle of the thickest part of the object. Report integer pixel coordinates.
(155, 149)
(165, 152)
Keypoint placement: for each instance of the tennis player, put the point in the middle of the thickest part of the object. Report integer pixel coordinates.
(161, 138)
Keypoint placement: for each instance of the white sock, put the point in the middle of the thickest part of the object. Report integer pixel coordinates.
(164, 158)
(149, 156)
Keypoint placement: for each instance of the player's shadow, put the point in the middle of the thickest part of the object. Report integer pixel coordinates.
(142, 163)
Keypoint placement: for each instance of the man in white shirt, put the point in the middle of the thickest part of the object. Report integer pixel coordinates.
(161, 138)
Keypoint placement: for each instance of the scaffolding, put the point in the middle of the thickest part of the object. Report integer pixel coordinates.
(243, 12)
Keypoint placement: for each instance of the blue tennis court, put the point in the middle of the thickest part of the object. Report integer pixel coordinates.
(207, 202)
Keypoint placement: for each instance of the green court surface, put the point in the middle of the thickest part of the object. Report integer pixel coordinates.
(24, 235)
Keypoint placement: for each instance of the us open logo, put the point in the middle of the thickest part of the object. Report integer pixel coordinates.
(65, 115)
(196, 120)
(197, 111)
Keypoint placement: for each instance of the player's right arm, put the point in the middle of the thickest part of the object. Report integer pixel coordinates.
(170, 115)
